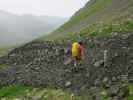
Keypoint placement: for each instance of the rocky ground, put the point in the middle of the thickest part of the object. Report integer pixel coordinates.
(108, 63)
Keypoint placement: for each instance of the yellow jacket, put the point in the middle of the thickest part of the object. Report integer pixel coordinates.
(75, 49)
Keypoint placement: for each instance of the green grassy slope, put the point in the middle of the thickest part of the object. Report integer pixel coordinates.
(84, 13)
(19, 92)
(4, 50)
(95, 12)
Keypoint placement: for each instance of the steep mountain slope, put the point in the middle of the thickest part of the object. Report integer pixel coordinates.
(96, 11)
(107, 64)
(43, 64)
(16, 29)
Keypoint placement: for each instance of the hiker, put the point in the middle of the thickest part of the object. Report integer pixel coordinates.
(77, 52)
(68, 49)
(81, 51)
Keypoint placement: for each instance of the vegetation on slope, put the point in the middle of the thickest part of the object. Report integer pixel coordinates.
(96, 15)
(97, 30)
(4, 50)
(109, 29)
(16, 92)
(84, 13)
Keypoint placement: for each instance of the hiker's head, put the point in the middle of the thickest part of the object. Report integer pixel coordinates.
(81, 43)
(68, 41)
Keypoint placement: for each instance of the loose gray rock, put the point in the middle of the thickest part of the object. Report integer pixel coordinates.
(98, 63)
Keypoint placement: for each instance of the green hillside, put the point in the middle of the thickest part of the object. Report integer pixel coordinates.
(20, 92)
(4, 50)
(96, 13)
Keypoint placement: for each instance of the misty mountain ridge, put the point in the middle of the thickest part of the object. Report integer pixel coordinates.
(18, 29)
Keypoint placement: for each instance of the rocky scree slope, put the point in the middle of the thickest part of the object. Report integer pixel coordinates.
(42, 64)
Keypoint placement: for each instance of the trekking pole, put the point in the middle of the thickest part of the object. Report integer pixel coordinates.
(105, 57)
